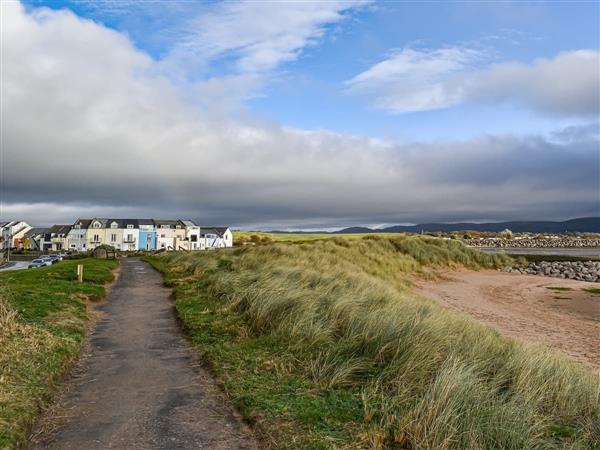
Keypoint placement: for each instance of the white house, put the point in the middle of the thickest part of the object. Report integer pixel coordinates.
(12, 233)
(58, 237)
(192, 236)
(226, 234)
(166, 233)
(217, 237)
(122, 234)
(131, 234)
(35, 239)
(77, 237)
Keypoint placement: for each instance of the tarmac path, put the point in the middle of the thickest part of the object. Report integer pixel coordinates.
(139, 385)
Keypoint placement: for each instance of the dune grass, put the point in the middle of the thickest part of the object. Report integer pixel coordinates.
(42, 325)
(323, 345)
(264, 237)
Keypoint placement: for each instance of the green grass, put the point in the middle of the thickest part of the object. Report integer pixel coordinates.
(593, 291)
(42, 325)
(324, 345)
(261, 237)
(552, 258)
(559, 288)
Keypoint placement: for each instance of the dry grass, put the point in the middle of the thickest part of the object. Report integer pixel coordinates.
(427, 378)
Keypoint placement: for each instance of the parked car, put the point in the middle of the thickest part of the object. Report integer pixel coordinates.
(54, 258)
(48, 258)
(39, 263)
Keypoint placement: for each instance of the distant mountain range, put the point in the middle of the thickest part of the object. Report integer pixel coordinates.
(580, 225)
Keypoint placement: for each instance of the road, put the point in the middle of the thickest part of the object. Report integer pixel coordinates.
(139, 386)
(15, 265)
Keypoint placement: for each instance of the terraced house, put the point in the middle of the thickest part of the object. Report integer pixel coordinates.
(122, 234)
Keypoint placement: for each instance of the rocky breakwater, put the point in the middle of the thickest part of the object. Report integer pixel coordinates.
(533, 243)
(575, 270)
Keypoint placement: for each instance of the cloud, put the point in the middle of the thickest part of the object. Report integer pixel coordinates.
(91, 127)
(259, 36)
(419, 80)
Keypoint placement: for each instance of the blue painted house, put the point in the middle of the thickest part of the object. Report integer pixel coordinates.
(147, 239)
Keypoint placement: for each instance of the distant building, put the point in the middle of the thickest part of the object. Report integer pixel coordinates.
(217, 237)
(122, 234)
(96, 233)
(58, 237)
(12, 233)
(77, 236)
(147, 234)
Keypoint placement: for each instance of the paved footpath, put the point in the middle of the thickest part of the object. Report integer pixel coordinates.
(139, 386)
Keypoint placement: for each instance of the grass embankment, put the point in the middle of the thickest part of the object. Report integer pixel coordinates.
(324, 345)
(262, 237)
(42, 325)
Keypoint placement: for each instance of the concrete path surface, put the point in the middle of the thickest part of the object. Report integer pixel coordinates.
(139, 386)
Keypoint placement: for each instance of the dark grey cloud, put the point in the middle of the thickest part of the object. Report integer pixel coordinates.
(90, 129)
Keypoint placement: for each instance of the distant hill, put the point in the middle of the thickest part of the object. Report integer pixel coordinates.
(580, 225)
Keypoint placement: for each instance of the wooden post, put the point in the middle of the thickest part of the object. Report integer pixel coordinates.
(80, 272)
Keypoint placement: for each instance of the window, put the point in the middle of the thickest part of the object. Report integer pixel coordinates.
(113, 237)
(162, 235)
(97, 224)
(194, 238)
(130, 226)
(178, 227)
(96, 238)
(130, 238)
(78, 226)
(114, 225)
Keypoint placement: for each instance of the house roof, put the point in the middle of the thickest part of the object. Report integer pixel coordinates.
(188, 223)
(36, 231)
(219, 230)
(98, 219)
(60, 229)
(145, 221)
(85, 223)
(212, 230)
(122, 223)
(170, 223)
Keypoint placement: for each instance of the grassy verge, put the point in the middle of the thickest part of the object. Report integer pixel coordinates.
(42, 325)
(323, 345)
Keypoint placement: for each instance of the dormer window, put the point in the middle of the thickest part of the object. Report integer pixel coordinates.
(97, 224)
(78, 226)
(114, 225)
(178, 227)
(130, 226)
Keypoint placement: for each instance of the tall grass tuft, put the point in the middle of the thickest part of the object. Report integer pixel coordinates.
(429, 378)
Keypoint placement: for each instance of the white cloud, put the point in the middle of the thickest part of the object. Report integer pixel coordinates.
(420, 80)
(413, 80)
(89, 128)
(259, 36)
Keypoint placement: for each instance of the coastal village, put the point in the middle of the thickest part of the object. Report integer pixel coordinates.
(122, 234)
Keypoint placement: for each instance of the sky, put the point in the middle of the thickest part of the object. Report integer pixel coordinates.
(300, 115)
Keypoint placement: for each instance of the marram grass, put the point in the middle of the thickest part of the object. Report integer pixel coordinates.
(340, 315)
